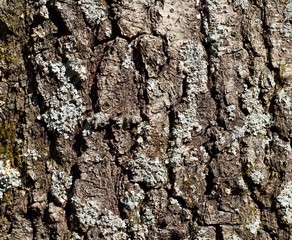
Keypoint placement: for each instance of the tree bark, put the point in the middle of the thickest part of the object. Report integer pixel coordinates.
(145, 119)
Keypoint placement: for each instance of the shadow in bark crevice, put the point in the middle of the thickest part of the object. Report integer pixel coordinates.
(79, 145)
(56, 17)
(209, 178)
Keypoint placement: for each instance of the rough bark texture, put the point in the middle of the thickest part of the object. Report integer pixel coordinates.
(146, 119)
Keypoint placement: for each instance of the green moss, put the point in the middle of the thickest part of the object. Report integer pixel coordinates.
(286, 72)
(9, 150)
(7, 198)
(14, 14)
(14, 38)
(4, 220)
(8, 54)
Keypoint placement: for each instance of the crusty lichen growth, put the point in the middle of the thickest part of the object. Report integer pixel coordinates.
(284, 200)
(94, 11)
(90, 214)
(61, 183)
(65, 107)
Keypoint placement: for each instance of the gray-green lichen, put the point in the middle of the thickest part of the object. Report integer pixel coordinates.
(98, 120)
(65, 105)
(90, 214)
(93, 11)
(285, 203)
(149, 171)
(194, 66)
(287, 27)
(132, 198)
(61, 183)
(9, 177)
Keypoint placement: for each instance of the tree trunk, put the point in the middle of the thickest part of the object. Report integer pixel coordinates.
(146, 119)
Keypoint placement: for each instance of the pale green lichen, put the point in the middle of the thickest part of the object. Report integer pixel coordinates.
(90, 214)
(9, 178)
(194, 66)
(61, 183)
(148, 170)
(66, 105)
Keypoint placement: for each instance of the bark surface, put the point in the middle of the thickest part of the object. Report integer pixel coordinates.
(145, 119)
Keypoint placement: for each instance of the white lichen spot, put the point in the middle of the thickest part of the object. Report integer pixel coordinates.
(194, 66)
(205, 233)
(241, 183)
(112, 226)
(108, 32)
(285, 101)
(287, 28)
(254, 227)
(257, 123)
(133, 198)
(96, 121)
(257, 176)
(87, 213)
(75, 236)
(235, 237)
(9, 177)
(38, 32)
(61, 183)
(93, 11)
(44, 12)
(77, 67)
(139, 231)
(31, 154)
(147, 170)
(201, 234)
(285, 147)
(242, 4)
(148, 217)
(231, 111)
(65, 106)
(127, 63)
(90, 214)
(173, 201)
(285, 201)
(153, 88)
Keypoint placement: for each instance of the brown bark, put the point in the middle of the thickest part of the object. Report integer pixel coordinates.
(145, 119)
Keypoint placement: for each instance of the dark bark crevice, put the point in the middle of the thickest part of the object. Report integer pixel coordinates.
(58, 20)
